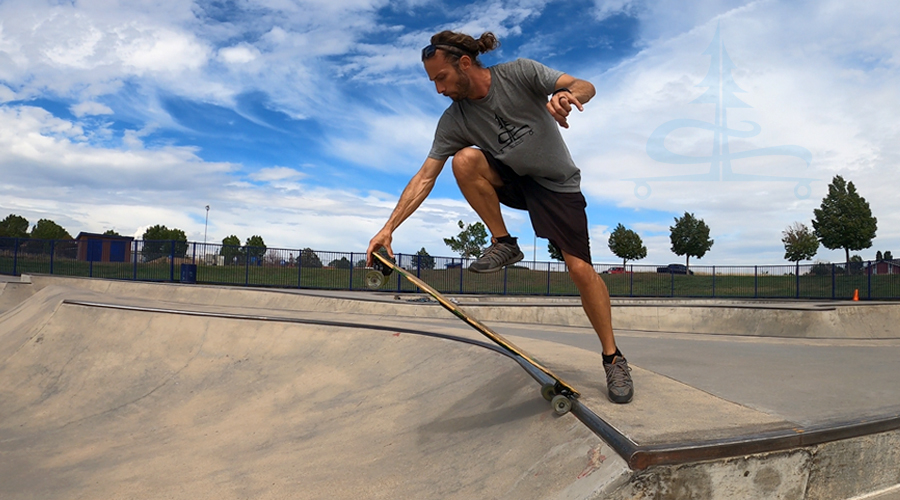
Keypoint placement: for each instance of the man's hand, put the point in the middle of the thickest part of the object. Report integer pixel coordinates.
(560, 105)
(381, 240)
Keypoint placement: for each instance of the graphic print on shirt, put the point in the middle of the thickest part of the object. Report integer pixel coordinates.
(511, 136)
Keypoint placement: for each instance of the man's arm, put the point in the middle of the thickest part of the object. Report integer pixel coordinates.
(578, 93)
(413, 195)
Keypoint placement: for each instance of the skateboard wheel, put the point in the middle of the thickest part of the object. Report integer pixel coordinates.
(561, 404)
(548, 391)
(374, 280)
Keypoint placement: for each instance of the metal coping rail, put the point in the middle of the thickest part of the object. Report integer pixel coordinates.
(638, 457)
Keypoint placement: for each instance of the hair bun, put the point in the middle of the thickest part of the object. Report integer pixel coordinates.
(487, 42)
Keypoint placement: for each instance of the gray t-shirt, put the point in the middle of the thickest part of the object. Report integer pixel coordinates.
(512, 123)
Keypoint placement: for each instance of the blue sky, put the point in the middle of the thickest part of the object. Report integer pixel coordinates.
(302, 120)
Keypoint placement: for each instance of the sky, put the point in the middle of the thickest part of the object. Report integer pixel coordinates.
(302, 120)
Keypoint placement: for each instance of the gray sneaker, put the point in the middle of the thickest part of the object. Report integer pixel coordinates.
(618, 380)
(496, 256)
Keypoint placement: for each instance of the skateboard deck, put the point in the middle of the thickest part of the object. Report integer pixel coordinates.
(559, 393)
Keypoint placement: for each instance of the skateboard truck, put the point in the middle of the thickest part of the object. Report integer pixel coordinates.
(560, 394)
(560, 398)
(376, 277)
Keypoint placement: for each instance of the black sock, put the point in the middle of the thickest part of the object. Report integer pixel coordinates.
(509, 240)
(609, 358)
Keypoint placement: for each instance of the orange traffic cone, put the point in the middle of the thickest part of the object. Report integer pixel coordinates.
(856, 294)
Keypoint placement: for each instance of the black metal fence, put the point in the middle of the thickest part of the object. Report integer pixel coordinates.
(190, 262)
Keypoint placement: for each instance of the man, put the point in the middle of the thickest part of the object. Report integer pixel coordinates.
(521, 161)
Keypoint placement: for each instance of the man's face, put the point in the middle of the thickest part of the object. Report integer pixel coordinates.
(448, 79)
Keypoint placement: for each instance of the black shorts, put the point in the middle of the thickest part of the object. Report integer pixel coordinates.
(559, 217)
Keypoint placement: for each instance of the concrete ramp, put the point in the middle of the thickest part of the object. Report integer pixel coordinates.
(112, 389)
(109, 403)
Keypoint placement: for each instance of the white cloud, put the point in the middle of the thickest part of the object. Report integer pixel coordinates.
(394, 140)
(90, 109)
(160, 50)
(276, 174)
(40, 150)
(6, 94)
(239, 54)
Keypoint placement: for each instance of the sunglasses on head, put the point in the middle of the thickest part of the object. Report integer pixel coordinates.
(429, 51)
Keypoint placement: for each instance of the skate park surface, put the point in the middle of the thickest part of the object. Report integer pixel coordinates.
(113, 389)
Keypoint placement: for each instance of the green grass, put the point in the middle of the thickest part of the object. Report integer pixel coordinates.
(513, 281)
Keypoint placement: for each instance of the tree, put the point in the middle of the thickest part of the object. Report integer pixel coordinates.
(255, 248)
(888, 256)
(844, 219)
(470, 241)
(342, 263)
(14, 226)
(44, 240)
(626, 244)
(111, 232)
(423, 260)
(855, 266)
(800, 243)
(158, 243)
(555, 252)
(46, 229)
(231, 249)
(308, 258)
(821, 269)
(690, 237)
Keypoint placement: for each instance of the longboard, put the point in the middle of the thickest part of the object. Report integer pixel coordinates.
(559, 393)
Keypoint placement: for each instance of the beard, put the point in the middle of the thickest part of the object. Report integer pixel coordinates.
(463, 86)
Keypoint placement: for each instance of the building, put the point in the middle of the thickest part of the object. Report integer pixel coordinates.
(104, 248)
(886, 267)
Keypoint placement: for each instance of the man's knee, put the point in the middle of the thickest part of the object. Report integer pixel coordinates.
(580, 271)
(468, 161)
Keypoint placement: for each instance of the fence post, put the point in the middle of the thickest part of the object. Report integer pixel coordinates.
(134, 258)
(631, 282)
(714, 281)
(869, 280)
(52, 251)
(833, 280)
(15, 256)
(419, 265)
(505, 279)
(351, 270)
(247, 266)
(300, 269)
(462, 263)
(755, 282)
(548, 279)
(172, 260)
(399, 261)
(797, 285)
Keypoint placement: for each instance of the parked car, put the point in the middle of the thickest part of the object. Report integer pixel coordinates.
(615, 270)
(674, 269)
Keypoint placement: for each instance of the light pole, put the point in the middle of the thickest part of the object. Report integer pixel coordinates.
(205, 226)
